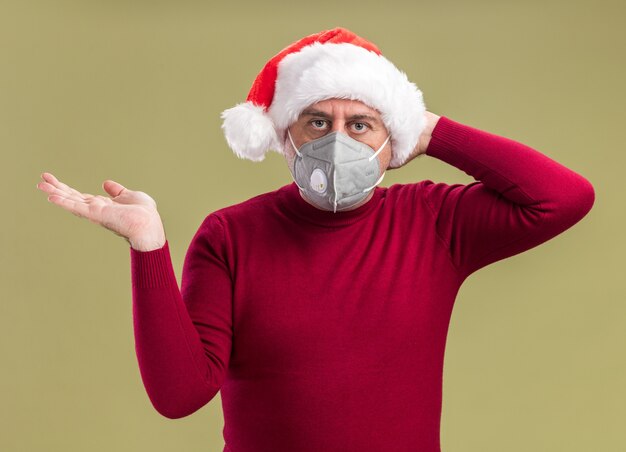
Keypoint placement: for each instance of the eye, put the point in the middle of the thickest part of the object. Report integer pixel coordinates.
(318, 124)
(360, 127)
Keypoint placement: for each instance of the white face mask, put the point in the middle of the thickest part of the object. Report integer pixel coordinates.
(336, 171)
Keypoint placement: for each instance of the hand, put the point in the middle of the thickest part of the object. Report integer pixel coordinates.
(424, 139)
(129, 214)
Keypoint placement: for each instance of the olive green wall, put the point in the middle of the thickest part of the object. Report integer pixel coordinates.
(132, 91)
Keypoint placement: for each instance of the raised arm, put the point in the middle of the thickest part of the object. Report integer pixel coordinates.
(183, 337)
(521, 197)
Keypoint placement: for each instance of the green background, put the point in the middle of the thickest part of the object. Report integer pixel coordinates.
(132, 91)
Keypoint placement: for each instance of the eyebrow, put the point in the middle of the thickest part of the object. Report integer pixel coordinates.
(313, 112)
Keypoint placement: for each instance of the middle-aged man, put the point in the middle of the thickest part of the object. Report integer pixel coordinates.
(320, 310)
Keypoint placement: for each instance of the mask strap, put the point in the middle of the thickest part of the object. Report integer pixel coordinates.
(380, 148)
(294, 146)
(377, 182)
(335, 189)
(292, 143)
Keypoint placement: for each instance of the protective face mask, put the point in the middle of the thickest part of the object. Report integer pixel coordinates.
(336, 171)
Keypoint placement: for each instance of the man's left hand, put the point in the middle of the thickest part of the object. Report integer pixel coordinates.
(424, 140)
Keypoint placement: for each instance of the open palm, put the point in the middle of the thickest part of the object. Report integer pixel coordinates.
(128, 213)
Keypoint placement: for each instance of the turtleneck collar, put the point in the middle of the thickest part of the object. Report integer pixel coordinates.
(292, 200)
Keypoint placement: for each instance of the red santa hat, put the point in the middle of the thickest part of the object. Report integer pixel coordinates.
(330, 64)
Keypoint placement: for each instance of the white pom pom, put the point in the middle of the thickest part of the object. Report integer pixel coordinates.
(249, 131)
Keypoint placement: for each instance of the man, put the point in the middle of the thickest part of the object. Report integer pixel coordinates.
(320, 310)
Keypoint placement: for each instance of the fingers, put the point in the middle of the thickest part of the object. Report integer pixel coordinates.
(77, 207)
(65, 196)
(83, 205)
(50, 179)
(72, 194)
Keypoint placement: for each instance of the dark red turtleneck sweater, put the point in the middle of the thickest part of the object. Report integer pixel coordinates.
(326, 331)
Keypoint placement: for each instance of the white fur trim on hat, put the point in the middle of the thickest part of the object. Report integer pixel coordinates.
(249, 131)
(323, 71)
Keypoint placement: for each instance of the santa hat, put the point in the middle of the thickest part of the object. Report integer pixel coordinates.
(330, 64)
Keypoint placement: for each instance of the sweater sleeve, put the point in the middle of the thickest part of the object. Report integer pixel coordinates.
(183, 337)
(521, 197)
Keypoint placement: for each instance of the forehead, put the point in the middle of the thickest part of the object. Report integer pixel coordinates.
(340, 108)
